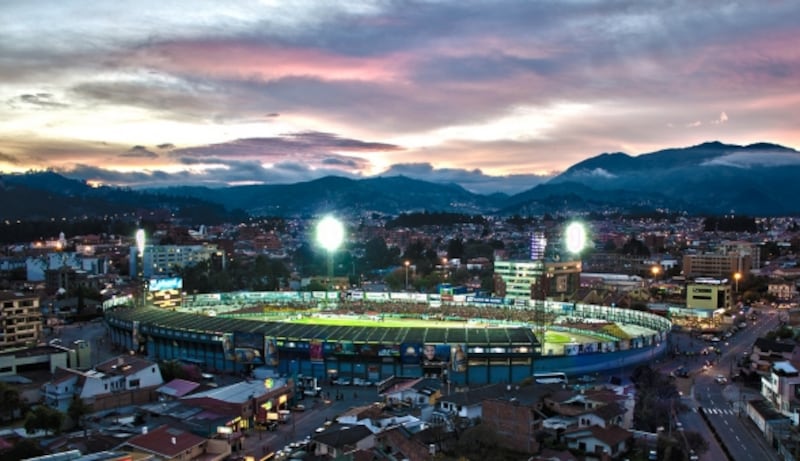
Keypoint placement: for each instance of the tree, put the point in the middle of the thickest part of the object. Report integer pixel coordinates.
(77, 410)
(11, 403)
(44, 418)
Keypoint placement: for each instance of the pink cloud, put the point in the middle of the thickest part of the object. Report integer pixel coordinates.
(237, 59)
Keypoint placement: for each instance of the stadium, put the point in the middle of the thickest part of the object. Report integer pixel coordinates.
(368, 337)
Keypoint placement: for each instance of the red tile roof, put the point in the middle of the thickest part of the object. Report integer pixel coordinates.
(166, 441)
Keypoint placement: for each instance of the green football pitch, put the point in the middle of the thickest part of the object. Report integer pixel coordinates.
(550, 337)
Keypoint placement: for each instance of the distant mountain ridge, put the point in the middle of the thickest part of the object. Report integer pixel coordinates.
(710, 178)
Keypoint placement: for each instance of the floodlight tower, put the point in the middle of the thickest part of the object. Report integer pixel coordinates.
(140, 241)
(330, 234)
(576, 237)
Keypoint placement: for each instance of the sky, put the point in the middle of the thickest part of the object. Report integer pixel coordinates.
(496, 96)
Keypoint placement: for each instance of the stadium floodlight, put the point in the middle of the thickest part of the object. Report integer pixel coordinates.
(330, 234)
(140, 241)
(576, 237)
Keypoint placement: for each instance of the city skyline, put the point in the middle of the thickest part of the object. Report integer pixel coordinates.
(157, 93)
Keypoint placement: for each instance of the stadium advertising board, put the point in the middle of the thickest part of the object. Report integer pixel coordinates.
(227, 346)
(435, 354)
(458, 358)
(344, 348)
(247, 339)
(165, 283)
(315, 351)
(410, 353)
(270, 351)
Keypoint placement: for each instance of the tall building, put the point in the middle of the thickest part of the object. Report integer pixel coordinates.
(20, 320)
(717, 265)
(160, 260)
(526, 280)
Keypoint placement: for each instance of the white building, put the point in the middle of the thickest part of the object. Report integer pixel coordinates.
(164, 259)
(781, 388)
(111, 383)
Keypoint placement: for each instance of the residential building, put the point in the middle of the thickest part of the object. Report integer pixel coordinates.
(160, 260)
(523, 280)
(782, 389)
(168, 443)
(719, 265)
(20, 320)
(338, 442)
(121, 381)
(612, 442)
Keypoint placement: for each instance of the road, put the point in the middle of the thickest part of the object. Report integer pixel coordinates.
(723, 404)
(304, 424)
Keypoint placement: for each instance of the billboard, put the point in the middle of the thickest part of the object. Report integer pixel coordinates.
(227, 346)
(166, 283)
(458, 358)
(344, 348)
(410, 353)
(270, 352)
(135, 336)
(435, 354)
(248, 339)
(315, 351)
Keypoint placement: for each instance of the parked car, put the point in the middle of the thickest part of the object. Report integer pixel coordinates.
(721, 379)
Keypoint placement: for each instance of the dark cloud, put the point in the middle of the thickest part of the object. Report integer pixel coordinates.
(166, 146)
(139, 152)
(472, 180)
(10, 159)
(41, 100)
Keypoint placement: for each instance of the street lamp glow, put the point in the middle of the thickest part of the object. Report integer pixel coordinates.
(575, 237)
(330, 233)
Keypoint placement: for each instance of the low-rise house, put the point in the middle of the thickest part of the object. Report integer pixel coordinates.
(781, 388)
(612, 441)
(767, 351)
(167, 443)
(412, 393)
(121, 381)
(400, 443)
(337, 442)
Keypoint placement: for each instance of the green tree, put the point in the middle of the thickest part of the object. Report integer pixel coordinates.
(77, 410)
(11, 403)
(44, 418)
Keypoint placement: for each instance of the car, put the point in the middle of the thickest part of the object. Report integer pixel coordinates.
(721, 379)
(299, 407)
(652, 456)
(343, 382)
(678, 425)
(587, 379)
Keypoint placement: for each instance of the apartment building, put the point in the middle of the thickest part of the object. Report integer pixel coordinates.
(782, 389)
(20, 320)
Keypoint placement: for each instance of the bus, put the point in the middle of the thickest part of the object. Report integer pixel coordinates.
(550, 377)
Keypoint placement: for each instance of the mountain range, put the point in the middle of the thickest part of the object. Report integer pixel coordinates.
(711, 178)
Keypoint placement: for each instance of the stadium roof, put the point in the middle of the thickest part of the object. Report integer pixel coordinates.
(182, 321)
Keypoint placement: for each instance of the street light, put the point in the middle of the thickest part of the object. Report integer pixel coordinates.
(330, 233)
(655, 270)
(736, 277)
(407, 263)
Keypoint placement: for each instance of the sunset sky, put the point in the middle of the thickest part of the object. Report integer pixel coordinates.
(495, 96)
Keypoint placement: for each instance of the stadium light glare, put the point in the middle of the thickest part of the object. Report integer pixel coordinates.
(330, 233)
(576, 237)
